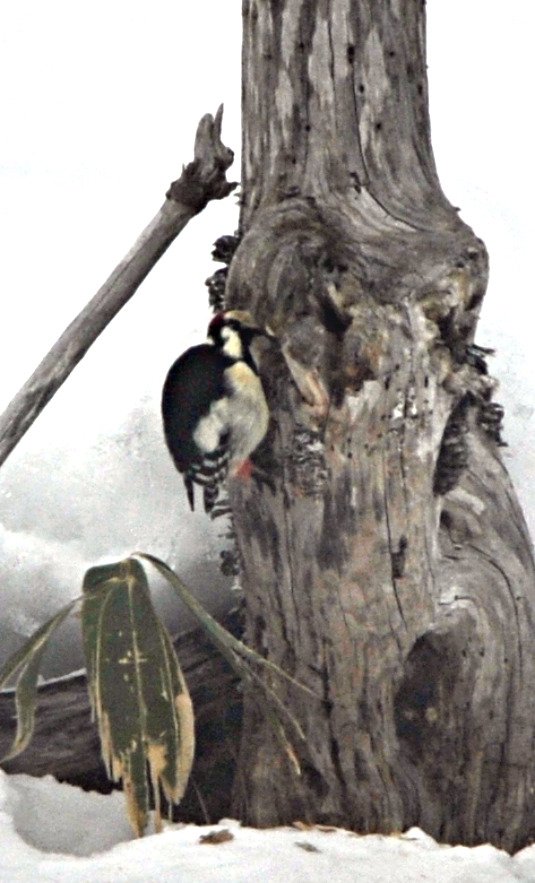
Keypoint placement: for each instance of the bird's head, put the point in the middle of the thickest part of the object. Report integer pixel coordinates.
(233, 332)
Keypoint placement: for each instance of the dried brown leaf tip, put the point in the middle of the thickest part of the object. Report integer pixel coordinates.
(215, 837)
(302, 826)
(309, 826)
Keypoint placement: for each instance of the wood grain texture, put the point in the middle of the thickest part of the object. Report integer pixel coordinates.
(408, 611)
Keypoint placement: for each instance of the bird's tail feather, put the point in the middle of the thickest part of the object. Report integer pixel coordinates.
(190, 490)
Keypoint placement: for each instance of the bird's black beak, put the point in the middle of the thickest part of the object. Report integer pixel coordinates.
(251, 333)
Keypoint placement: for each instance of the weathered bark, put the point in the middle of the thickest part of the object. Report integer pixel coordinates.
(381, 573)
(201, 180)
(66, 743)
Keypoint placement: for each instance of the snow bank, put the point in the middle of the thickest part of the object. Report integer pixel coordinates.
(53, 832)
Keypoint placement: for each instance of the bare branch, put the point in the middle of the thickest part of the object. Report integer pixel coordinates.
(202, 180)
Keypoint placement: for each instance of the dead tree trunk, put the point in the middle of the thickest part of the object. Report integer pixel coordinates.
(388, 568)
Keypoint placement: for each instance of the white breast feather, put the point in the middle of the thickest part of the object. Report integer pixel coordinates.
(244, 411)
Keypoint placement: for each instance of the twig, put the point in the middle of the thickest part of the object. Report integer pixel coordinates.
(202, 180)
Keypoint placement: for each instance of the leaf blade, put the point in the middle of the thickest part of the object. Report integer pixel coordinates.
(27, 661)
(138, 693)
(225, 641)
(239, 657)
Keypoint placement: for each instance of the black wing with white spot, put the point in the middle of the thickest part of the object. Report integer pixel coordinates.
(194, 383)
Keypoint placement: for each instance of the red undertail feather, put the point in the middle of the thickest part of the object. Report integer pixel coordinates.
(244, 470)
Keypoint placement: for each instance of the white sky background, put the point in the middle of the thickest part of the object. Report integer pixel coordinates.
(99, 103)
(99, 109)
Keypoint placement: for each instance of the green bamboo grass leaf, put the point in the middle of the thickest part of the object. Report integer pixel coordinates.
(138, 693)
(221, 637)
(98, 583)
(27, 662)
(236, 653)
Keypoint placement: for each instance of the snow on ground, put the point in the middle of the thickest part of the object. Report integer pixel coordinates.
(54, 832)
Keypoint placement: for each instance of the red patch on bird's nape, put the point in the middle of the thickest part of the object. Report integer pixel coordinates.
(217, 322)
(244, 470)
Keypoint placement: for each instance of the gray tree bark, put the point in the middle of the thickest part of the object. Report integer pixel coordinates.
(387, 565)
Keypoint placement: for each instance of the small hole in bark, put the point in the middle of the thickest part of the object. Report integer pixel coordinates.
(314, 781)
(329, 264)
(475, 300)
(356, 182)
(387, 383)
(307, 128)
(301, 45)
(460, 264)
(362, 88)
(350, 53)
(426, 381)
(335, 752)
(378, 127)
(398, 558)
(391, 54)
(446, 326)
(259, 629)
(420, 89)
(361, 770)
(453, 453)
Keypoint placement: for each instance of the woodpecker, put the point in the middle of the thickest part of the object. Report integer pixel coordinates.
(213, 405)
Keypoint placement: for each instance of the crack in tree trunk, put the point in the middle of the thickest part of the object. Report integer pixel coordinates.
(407, 604)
